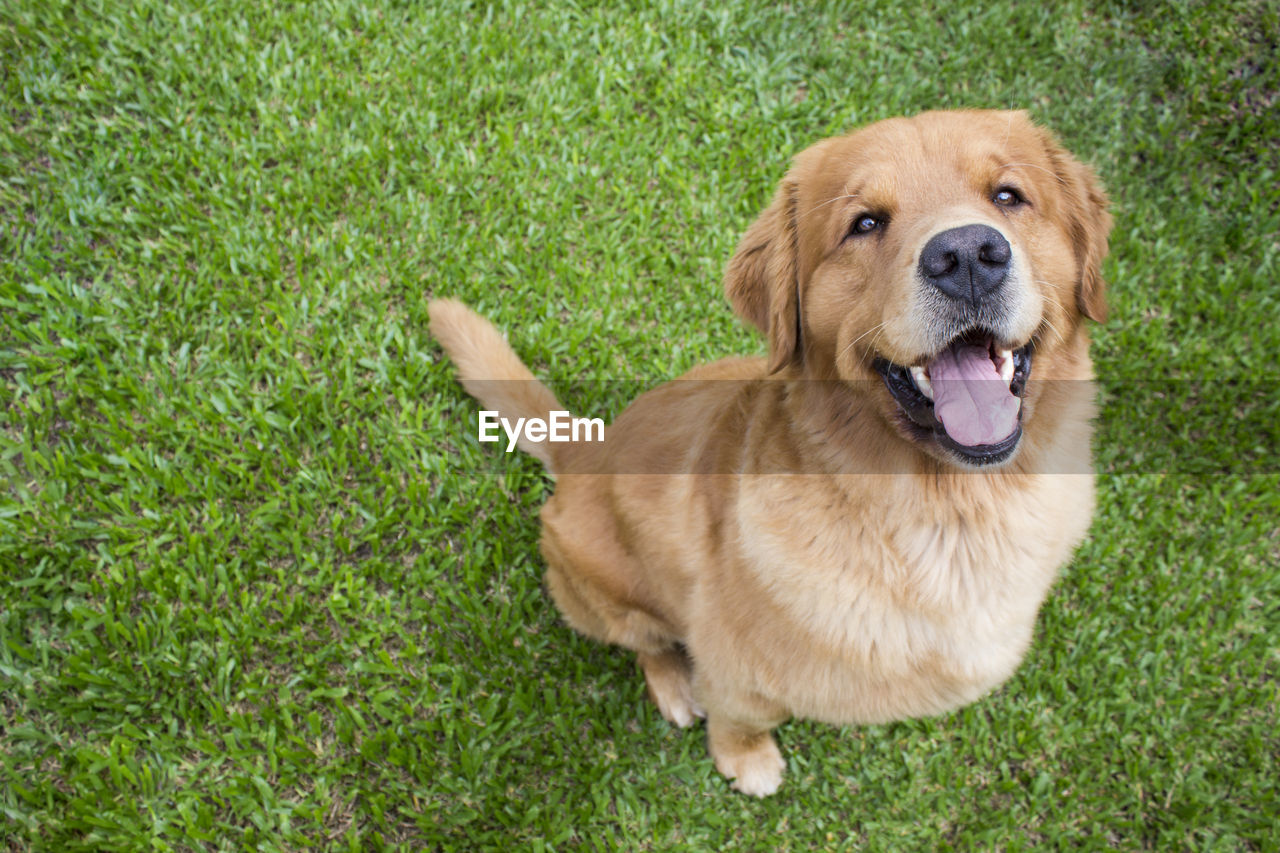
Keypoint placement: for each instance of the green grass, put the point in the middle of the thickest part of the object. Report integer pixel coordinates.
(262, 590)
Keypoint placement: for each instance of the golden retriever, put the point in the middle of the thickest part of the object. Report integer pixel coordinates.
(922, 284)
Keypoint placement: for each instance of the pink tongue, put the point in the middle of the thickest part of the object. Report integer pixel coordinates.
(969, 397)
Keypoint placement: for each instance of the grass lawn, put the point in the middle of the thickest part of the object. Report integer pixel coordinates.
(263, 589)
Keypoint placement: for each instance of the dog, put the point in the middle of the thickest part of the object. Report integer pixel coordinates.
(861, 526)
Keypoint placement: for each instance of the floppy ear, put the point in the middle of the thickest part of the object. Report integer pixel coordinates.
(762, 281)
(1088, 224)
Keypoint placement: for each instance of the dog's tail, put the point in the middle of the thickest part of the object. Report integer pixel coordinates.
(491, 371)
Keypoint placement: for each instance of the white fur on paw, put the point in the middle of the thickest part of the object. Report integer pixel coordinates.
(679, 709)
(758, 773)
(673, 694)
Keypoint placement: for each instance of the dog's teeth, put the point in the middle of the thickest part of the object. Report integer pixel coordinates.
(922, 381)
(1006, 365)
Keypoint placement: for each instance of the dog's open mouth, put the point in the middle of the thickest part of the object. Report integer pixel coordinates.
(968, 396)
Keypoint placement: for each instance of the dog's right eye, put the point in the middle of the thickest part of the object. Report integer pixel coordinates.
(865, 224)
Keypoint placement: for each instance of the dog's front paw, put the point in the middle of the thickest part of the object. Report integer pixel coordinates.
(668, 678)
(755, 770)
(678, 708)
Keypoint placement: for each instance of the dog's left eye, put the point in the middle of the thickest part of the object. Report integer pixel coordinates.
(865, 224)
(1008, 197)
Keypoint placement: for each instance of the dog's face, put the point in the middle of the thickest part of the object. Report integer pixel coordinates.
(946, 254)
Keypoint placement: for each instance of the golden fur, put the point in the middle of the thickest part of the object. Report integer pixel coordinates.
(752, 595)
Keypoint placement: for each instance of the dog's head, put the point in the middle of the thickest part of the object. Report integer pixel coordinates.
(945, 255)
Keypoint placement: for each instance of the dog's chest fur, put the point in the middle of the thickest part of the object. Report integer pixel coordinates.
(901, 607)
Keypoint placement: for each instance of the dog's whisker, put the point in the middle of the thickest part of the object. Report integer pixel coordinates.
(1055, 175)
(1053, 301)
(1051, 298)
(818, 207)
(854, 342)
(1048, 322)
(879, 332)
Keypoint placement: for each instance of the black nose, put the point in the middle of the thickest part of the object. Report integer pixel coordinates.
(968, 263)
